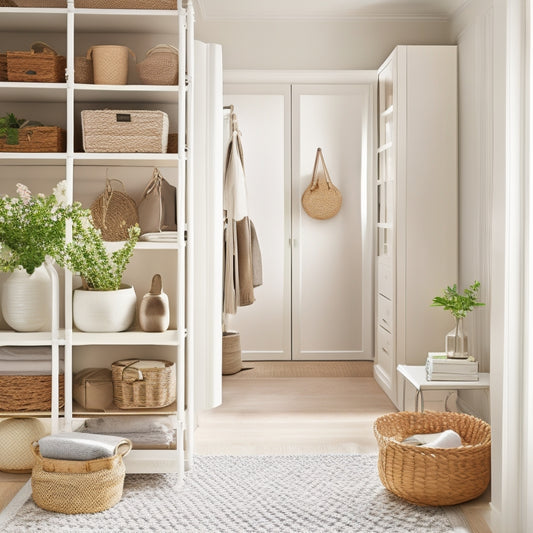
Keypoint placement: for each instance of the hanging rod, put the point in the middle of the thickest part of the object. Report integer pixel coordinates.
(230, 107)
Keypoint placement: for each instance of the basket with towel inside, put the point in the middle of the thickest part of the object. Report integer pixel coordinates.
(79, 472)
(447, 470)
(143, 383)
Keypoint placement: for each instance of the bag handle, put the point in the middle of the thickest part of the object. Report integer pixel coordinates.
(162, 48)
(91, 49)
(40, 47)
(314, 181)
(154, 182)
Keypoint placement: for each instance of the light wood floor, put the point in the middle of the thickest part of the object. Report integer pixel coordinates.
(293, 408)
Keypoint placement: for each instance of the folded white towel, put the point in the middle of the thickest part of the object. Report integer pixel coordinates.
(27, 353)
(131, 424)
(447, 439)
(80, 446)
(29, 368)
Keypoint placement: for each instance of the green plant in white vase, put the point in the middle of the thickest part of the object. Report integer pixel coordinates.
(103, 303)
(459, 306)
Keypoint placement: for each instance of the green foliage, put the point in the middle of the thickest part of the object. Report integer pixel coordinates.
(458, 304)
(32, 227)
(86, 255)
(9, 128)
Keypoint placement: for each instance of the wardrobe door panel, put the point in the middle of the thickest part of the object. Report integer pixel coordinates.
(263, 114)
(332, 259)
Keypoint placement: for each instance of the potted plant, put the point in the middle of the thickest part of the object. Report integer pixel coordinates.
(9, 128)
(459, 306)
(103, 303)
(31, 229)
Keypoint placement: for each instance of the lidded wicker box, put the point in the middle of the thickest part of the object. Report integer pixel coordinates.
(124, 131)
(40, 64)
(37, 139)
(142, 383)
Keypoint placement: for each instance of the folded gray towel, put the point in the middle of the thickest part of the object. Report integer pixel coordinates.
(28, 353)
(129, 424)
(81, 446)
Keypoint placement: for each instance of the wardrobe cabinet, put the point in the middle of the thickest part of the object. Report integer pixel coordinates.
(416, 207)
(71, 31)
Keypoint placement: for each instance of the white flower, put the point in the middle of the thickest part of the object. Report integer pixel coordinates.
(24, 193)
(60, 192)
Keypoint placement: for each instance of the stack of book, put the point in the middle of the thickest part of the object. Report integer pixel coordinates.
(440, 368)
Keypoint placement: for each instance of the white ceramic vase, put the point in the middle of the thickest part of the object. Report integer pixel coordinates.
(27, 300)
(104, 311)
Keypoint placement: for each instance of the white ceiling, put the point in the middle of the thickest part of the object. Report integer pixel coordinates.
(261, 9)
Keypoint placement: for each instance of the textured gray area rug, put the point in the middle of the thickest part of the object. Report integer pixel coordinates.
(231, 494)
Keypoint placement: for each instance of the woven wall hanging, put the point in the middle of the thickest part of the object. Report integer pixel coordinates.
(321, 199)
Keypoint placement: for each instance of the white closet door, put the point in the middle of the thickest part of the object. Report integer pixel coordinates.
(263, 113)
(332, 259)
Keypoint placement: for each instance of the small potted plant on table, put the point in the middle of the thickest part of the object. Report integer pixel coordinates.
(459, 306)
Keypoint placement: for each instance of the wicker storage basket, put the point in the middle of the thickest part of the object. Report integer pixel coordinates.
(29, 393)
(109, 130)
(110, 63)
(74, 487)
(41, 3)
(83, 70)
(433, 476)
(3, 67)
(231, 353)
(146, 386)
(114, 212)
(37, 139)
(126, 4)
(160, 66)
(40, 64)
(172, 146)
(16, 437)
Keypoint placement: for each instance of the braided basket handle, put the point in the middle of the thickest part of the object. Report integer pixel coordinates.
(162, 48)
(40, 47)
(320, 158)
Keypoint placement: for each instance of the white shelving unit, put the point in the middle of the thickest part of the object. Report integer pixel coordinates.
(71, 31)
(417, 205)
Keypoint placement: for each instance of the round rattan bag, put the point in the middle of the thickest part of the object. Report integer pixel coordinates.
(321, 199)
(114, 212)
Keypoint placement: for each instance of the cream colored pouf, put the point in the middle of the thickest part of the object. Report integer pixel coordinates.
(16, 438)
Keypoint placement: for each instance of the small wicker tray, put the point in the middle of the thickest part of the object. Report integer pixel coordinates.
(29, 393)
(433, 476)
(40, 64)
(38, 139)
(146, 388)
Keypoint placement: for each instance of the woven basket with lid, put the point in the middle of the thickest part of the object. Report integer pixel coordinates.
(433, 476)
(160, 66)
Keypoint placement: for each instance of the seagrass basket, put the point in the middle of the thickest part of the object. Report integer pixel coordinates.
(124, 131)
(40, 64)
(160, 66)
(231, 353)
(433, 476)
(126, 4)
(83, 70)
(74, 487)
(37, 139)
(29, 393)
(41, 3)
(3, 67)
(145, 386)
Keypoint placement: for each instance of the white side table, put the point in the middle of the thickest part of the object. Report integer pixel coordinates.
(416, 375)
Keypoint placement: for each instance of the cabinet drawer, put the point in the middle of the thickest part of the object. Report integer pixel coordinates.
(385, 313)
(385, 280)
(385, 350)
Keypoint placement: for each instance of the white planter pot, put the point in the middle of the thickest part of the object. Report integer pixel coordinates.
(27, 300)
(104, 311)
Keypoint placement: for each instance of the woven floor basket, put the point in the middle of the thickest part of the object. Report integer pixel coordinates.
(38, 139)
(126, 4)
(433, 476)
(156, 389)
(124, 131)
(231, 353)
(29, 393)
(74, 487)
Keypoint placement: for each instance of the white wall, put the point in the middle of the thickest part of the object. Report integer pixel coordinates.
(316, 44)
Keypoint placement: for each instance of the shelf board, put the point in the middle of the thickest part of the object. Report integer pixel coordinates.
(161, 94)
(33, 158)
(165, 338)
(14, 91)
(126, 21)
(125, 159)
(27, 19)
(28, 414)
(31, 338)
(80, 412)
